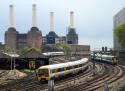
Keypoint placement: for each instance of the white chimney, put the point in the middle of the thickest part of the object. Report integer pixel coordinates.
(71, 18)
(34, 17)
(11, 16)
(51, 21)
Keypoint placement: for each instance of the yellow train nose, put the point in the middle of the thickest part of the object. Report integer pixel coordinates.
(43, 78)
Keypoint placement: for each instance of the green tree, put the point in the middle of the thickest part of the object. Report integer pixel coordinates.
(26, 49)
(8, 50)
(65, 48)
(120, 33)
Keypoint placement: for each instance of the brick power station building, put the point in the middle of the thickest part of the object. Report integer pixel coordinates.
(34, 38)
(16, 40)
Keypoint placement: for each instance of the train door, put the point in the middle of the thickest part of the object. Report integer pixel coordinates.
(55, 73)
(64, 71)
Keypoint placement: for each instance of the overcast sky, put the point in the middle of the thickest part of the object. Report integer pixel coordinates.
(93, 18)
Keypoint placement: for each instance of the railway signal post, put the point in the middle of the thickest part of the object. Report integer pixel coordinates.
(106, 88)
(50, 85)
(94, 63)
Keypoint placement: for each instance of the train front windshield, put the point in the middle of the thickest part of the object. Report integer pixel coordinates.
(43, 72)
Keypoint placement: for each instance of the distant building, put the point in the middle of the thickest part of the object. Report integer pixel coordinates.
(11, 38)
(44, 40)
(118, 19)
(72, 36)
(15, 40)
(83, 50)
(34, 38)
(60, 39)
(21, 41)
(51, 37)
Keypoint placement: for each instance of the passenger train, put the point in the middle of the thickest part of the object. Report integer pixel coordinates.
(105, 58)
(63, 69)
(53, 53)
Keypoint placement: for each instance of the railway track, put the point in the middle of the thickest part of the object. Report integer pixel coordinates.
(30, 84)
(34, 85)
(81, 82)
(3, 72)
(110, 75)
(79, 79)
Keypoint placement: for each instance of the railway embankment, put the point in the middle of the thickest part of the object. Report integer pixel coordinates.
(8, 76)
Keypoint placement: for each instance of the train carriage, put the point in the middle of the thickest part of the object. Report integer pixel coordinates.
(105, 58)
(63, 69)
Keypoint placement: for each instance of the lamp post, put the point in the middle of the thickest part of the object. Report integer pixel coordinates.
(11, 62)
(14, 62)
(13, 55)
(94, 56)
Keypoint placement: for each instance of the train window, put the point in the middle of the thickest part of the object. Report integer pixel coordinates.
(71, 67)
(80, 65)
(68, 68)
(43, 72)
(52, 70)
(75, 66)
(60, 69)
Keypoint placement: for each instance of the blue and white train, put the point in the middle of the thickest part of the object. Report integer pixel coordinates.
(63, 69)
(53, 53)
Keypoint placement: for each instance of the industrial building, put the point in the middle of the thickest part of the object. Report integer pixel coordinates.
(34, 38)
(60, 39)
(52, 37)
(32, 59)
(71, 36)
(16, 40)
(118, 19)
(79, 50)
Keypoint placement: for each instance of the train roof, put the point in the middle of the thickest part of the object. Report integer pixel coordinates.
(104, 55)
(52, 53)
(54, 66)
(108, 56)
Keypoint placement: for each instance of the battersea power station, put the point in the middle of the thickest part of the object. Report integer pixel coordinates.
(34, 38)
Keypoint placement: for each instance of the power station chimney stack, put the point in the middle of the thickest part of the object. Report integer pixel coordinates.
(11, 16)
(71, 36)
(34, 36)
(34, 17)
(71, 18)
(51, 21)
